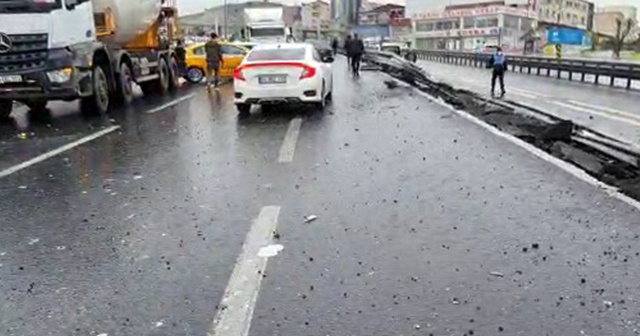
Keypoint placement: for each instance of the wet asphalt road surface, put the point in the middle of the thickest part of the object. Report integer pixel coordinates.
(611, 111)
(426, 224)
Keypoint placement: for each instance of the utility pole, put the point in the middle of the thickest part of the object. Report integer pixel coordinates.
(226, 21)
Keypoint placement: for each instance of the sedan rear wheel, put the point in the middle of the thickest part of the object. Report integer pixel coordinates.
(323, 100)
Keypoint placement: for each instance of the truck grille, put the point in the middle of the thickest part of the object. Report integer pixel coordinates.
(27, 53)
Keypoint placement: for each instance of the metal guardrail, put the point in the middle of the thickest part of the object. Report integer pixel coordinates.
(543, 65)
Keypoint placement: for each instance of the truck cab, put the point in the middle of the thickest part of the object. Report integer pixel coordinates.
(39, 43)
(86, 50)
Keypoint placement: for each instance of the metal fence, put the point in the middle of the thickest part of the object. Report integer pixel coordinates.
(543, 66)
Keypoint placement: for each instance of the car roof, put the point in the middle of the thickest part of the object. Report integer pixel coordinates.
(200, 44)
(271, 46)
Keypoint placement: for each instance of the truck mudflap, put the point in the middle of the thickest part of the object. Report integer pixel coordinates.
(45, 84)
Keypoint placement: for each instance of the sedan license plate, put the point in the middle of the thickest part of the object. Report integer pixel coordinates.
(272, 79)
(10, 79)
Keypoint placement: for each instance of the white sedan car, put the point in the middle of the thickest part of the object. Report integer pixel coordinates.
(283, 73)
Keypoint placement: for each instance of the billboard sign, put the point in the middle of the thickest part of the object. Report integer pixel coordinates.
(570, 36)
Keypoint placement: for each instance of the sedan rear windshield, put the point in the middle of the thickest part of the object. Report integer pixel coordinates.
(288, 54)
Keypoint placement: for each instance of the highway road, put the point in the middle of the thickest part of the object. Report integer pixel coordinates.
(612, 111)
(386, 214)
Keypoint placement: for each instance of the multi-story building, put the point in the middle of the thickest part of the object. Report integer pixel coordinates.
(626, 11)
(384, 14)
(315, 14)
(345, 11)
(567, 13)
(606, 19)
(469, 27)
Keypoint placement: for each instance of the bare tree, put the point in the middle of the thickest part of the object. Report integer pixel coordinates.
(623, 29)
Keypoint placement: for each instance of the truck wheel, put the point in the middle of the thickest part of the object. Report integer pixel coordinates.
(5, 109)
(158, 86)
(124, 93)
(98, 103)
(36, 106)
(174, 72)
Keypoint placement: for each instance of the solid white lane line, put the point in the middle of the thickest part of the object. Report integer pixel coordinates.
(171, 103)
(288, 148)
(236, 308)
(523, 94)
(528, 93)
(626, 120)
(606, 109)
(57, 151)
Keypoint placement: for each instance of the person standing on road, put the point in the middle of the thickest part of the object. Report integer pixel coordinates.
(334, 46)
(214, 61)
(498, 64)
(357, 50)
(181, 55)
(347, 50)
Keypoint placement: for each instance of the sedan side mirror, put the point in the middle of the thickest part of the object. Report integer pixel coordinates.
(328, 59)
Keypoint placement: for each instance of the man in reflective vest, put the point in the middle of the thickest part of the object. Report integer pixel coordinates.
(498, 63)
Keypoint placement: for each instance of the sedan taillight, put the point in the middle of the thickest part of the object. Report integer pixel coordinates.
(237, 73)
(307, 72)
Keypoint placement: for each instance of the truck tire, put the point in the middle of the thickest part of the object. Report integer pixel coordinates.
(124, 90)
(174, 72)
(99, 102)
(158, 86)
(36, 106)
(5, 109)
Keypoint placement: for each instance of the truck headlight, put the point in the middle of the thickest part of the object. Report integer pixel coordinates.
(60, 76)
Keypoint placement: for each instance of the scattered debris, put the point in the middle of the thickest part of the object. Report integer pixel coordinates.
(137, 176)
(391, 84)
(159, 324)
(496, 274)
(416, 326)
(455, 301)
(310, 218)
(22, 187)
(33, 241)
(270, 250)
(61, 248)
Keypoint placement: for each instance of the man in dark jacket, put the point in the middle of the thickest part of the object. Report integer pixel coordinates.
(181, 55)
(214, 61)
(357, 50)
(347, 49)
(334, 46)
(498, 64)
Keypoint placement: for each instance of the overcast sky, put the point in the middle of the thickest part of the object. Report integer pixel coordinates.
(192, 6)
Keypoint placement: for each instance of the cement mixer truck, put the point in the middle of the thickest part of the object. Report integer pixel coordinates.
(92, 51)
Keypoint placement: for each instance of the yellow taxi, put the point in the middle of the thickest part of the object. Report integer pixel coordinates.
(196, 61)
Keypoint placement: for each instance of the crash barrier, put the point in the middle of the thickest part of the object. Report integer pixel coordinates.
(608, 159)
(544, 65)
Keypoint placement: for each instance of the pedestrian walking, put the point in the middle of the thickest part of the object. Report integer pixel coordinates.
(347, 50)
(334, 46)
(498, 64)
(214, 61)
(357, 50)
